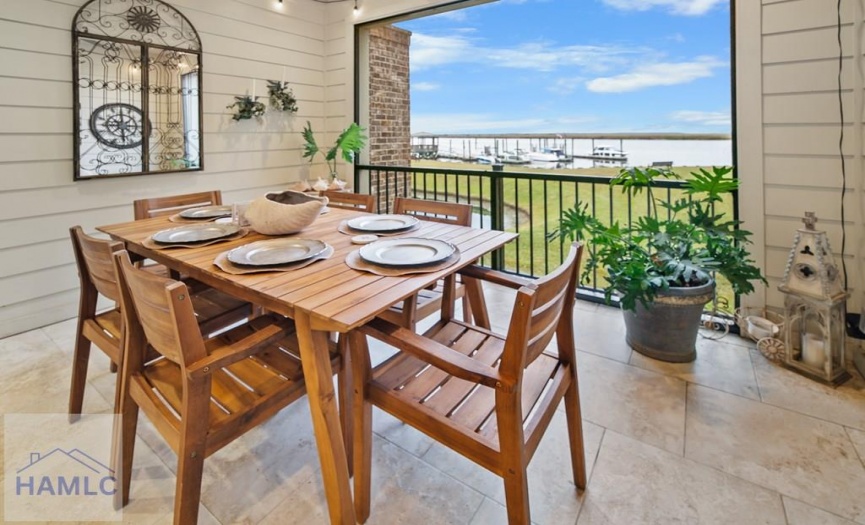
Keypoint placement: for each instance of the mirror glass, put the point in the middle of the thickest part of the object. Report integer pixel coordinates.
(138, 90)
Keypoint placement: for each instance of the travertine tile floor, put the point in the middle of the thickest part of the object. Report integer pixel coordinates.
(730, 438)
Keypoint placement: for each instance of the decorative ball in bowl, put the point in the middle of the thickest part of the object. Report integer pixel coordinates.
(284, 212)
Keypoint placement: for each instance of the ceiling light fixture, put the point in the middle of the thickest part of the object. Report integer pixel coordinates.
(356, 9)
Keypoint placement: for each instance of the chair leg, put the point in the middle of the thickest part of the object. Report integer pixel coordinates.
(575, 434)
(80, 360)
(516, 495)
(344, 383)
(123, 442)
(362, 426)
(509, 416)
(190, 455)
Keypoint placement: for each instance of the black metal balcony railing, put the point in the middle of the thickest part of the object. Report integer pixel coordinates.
(531, 204)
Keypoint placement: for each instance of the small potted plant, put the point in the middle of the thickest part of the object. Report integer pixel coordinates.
(661, 266)
(348, 144)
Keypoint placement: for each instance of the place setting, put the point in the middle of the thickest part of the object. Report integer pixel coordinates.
(273, 255)
(403, 256)
(203, 214)
(380, 225)
(195, 235)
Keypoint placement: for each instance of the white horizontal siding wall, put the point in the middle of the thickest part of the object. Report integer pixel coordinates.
(801, 128)
(242, 40)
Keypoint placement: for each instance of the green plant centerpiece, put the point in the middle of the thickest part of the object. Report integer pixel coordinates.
(246, 107)
(281, 97)
(661, 266)
(348, 144)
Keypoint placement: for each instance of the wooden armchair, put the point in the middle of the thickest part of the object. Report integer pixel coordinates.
(427, 302)
(350, 201)
(488, 397)
(200, 395)
(96, 275)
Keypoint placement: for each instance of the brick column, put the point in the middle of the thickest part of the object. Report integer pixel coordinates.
(389, 109)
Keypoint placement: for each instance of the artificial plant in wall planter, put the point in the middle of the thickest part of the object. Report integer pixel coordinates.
(281, 97)
(246, 107)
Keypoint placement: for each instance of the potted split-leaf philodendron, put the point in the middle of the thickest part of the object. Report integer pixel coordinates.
(661, 266)
(348, 145)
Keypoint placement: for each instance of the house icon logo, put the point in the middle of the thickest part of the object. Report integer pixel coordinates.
(64, 473)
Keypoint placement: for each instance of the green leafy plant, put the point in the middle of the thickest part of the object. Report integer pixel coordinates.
(281, 97)
(246, 107)
(678, 244)
(348, 144)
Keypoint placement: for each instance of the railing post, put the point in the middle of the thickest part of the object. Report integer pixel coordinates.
(497, 215)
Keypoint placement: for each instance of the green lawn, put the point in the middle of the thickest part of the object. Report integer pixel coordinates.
(534, 207)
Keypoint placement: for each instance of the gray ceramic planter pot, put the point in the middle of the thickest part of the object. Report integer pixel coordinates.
(667, 330)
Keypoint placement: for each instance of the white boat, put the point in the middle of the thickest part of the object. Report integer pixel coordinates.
(486, 159)
(548, 155)
(514, 157)
(609, 152)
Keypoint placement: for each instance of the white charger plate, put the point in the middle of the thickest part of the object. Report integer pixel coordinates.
(192, 233)
(406, 252)
(206, 212)
(382, 223)
(274, 252)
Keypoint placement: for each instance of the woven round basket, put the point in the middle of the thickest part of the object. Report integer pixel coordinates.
(284, 212)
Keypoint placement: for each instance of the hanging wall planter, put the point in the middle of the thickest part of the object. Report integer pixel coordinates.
(281, 97)
(246, 107)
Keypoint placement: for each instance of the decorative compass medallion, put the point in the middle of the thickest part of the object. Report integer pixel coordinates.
(117, 125)
(143, 19)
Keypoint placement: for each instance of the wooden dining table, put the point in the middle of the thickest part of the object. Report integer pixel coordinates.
(326, 296)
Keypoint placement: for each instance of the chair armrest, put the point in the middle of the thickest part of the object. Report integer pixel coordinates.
(434, 353)
(493, 276)
(227, 354)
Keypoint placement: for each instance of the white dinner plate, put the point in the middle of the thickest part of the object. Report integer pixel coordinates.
(404, 252)
(275, 252)
(382, 223)
(207, 212)
(192, 233)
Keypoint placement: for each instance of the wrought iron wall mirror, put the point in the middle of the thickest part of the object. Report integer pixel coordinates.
(136, 66)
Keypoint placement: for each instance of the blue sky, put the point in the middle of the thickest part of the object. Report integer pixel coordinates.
(561, 66)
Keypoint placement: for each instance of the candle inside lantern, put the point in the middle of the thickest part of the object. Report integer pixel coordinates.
(813, 350)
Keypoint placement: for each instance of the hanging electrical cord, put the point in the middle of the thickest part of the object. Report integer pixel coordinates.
(841, 148)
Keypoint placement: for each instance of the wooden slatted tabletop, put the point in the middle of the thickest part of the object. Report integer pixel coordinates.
(326, 296)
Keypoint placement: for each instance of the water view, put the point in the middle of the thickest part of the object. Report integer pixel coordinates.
(533, 153)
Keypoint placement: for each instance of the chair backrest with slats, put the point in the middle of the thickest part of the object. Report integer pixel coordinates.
(95, 263)
(350, 201)
(169, 205)
(540, 309)
(162, 309)
(436, 211)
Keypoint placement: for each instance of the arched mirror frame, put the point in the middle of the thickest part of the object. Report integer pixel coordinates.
(116, 138)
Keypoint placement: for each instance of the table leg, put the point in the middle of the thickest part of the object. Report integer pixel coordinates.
(325, 419)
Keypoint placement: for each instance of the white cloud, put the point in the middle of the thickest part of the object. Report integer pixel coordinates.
(425, 86)
(677, 7)
(657, 74)
(705, 118)
(459, 15)
(566, 86)
(491, 123)
(429, 51)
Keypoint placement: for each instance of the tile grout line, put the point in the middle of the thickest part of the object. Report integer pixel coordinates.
(784, 508)
(685, 422)
(855, 450)
(756, 379)
(589, 478)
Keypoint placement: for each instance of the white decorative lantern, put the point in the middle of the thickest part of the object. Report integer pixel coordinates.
(814, 307)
